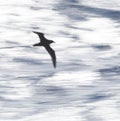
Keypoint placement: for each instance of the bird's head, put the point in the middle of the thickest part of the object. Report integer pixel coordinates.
(51, 41)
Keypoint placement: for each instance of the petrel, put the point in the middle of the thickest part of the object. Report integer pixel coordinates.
(46, 43)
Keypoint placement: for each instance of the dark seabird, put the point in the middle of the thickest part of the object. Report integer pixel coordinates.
(46, 43)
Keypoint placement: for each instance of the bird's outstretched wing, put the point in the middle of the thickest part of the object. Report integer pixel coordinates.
(41, 35)
(52, 54)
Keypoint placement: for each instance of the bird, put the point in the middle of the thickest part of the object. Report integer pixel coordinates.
(46, 44)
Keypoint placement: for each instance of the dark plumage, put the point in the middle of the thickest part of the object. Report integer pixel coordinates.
(46, 43)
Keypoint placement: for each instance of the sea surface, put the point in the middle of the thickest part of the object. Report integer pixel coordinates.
(85, 86)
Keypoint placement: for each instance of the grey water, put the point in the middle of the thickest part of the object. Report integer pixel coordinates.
(86, 83)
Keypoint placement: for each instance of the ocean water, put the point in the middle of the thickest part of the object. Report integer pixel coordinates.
(85, 85)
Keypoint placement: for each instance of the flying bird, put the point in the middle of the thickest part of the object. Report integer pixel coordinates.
(46, 43)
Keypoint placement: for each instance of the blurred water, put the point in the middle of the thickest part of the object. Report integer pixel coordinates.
(85, 85)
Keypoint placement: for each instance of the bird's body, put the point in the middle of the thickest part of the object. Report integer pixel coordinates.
(46, 43)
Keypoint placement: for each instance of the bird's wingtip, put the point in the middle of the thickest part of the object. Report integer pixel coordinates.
(37, 32)
(34, 32)
(54, 65)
